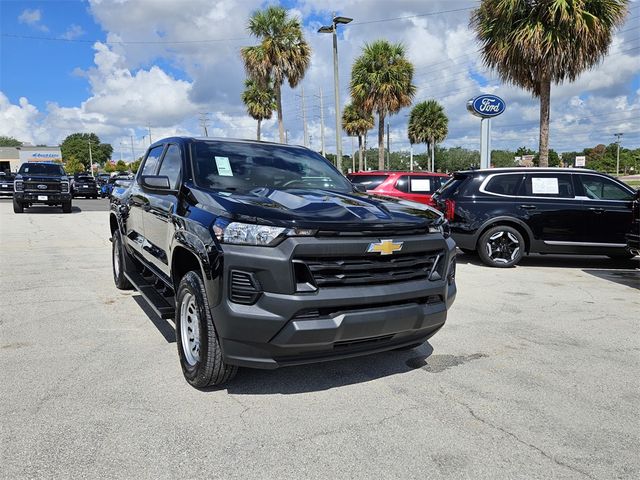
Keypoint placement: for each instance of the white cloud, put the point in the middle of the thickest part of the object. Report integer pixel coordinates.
(33, 18)
(74, 31)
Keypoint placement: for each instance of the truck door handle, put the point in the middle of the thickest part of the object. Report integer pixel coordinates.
(528, 207)
(597, 210)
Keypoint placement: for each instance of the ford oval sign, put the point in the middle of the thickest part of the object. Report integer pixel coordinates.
(486, 106)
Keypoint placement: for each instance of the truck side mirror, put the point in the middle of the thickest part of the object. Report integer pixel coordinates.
(155, 182)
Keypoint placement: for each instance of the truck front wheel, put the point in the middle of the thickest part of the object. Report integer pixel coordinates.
(120, 262)
(18, 207)
(198, 346)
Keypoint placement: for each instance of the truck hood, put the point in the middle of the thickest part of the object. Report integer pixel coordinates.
(316, 209)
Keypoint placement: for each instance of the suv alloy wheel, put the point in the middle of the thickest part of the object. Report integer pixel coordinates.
(501, 246)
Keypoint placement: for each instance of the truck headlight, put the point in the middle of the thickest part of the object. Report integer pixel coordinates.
(253, 234)
(64, 187)
(18, 186)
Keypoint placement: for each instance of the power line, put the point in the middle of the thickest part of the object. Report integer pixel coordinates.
(407, 17)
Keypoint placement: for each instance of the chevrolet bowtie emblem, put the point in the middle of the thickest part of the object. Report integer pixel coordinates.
(385, 247)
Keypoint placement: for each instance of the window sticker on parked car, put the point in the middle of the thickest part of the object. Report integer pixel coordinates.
(544, 186)
(420, 185)
(224, 167)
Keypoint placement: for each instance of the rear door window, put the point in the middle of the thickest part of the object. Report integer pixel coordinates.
(548, 185)
(602, 188)
(369, 181)
(452, 187)
(504, 184)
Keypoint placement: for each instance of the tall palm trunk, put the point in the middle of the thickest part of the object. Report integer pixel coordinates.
(360, 153)
(277, 86)
(545, 100)
(380, 141)
(258, 132)
(433, 155)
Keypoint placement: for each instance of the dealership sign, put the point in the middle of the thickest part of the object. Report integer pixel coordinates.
(486, 106)
(27, 155)
(581, 161)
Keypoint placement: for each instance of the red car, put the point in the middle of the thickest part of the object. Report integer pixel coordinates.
(414, 186)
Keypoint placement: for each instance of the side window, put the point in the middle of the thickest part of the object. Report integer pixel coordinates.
(548, 185)
(172, 165)
(504, 184)
(403, 184)
(422, 184)
(602, 188)
(151, 161)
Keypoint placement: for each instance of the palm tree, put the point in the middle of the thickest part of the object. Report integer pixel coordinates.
(282, 53)
(259, 100)
(535, 43)
(428, 124)
(357, 123)
(381, 82)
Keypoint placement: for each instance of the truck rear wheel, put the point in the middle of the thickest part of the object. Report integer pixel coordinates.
(198, 346)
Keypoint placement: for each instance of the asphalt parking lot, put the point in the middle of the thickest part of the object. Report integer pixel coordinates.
(534, 376)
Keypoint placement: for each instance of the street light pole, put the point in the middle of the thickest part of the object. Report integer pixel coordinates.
(90, 160)
(336, 86)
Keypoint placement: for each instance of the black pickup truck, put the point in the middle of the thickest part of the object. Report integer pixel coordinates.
(41, 183)
(266, 256)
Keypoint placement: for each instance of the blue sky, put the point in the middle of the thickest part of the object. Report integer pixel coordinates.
(106, 66)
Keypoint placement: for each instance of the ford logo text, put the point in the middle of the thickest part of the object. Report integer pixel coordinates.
(486, 106)
(42, 187)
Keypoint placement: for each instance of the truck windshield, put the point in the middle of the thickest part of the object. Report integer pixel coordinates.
(238, 166)
(41, 169)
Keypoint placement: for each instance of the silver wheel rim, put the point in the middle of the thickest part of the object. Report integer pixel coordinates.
(190, 329)
(116, 258)
(503, 247)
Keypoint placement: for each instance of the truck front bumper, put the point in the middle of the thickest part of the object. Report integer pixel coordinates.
(282, 329)
(48, 198)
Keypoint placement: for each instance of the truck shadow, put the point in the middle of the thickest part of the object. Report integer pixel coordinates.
(43, 209)
(559, 261)
(165, 327)
(630, 278)
(326, 375)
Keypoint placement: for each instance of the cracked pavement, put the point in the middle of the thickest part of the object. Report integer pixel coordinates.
(534, 376)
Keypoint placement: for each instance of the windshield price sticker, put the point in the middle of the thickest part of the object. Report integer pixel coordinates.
(224, 167)
(544, 186)
(420, 185)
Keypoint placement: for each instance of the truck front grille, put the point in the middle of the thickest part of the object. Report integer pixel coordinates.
(52, 187)
(369, 269)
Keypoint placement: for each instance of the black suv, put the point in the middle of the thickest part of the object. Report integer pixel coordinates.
(84, 185)
(41, 183)
(504, 213)
(266, 256)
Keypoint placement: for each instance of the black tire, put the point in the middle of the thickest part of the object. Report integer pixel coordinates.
(501, 246)
(18, 207)
(468, 251)
(120, 262)
(202, 365)
(66, 207)
(95, 197)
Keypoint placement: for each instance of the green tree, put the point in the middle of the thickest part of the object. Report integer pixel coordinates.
(109, 167)
(9, 142)
(73, 165)
(77, 145)
(283, 54)
(535, 43)
(502, 158)
(121, 167)
(357, 123)
(134, 166)
(381, 82)
(428, 124)
(260, 101)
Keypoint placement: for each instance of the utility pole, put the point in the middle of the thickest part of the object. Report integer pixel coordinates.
(286, 137)
(90, 160)
(321, 125)
(204, 122)
(149, 128)
(133, 155)
(304, 119)
(618, 137)
(388, 148)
